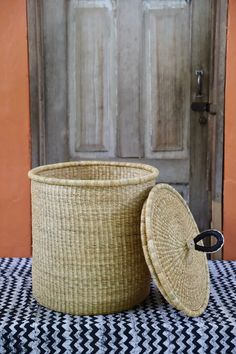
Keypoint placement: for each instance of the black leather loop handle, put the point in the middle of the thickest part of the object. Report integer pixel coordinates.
(209, 249)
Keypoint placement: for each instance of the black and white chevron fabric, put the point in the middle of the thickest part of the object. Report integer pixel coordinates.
(153, 327)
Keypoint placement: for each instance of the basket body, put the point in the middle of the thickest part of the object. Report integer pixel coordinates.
(87, 252)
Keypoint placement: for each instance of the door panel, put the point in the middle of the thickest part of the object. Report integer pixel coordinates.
(129, 81)
(117, 78)
(166, 63)
(92, 87)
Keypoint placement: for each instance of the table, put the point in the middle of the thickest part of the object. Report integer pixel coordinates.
(152, 327)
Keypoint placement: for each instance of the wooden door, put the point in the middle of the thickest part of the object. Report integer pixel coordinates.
(114, 79)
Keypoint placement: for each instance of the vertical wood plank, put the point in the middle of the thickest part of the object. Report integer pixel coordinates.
(36, 79)
(218, 99)
(54, 27)
(201, 51)
(218, 95)
(129, 22)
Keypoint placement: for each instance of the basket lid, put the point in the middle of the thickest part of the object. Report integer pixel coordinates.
(174, 250)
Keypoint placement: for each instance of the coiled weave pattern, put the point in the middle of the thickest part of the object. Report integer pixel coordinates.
(87, 252)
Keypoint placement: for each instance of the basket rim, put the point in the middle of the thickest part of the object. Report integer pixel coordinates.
(33, 174)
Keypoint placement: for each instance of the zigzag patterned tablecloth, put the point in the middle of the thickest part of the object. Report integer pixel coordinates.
(153, 327)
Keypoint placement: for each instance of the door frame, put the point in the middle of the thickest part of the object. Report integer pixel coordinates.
(212, 167)
(217, 96)
(38, 89)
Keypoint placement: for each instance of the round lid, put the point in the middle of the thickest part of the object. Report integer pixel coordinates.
(174, 250)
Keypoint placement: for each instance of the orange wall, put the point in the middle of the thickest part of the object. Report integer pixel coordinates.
(230, 138)
(15, 233)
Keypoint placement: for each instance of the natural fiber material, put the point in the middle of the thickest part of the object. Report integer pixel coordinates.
(180, 272)
(87, 253)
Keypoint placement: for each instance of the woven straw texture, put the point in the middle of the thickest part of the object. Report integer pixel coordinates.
(181, 273)
(87, 252)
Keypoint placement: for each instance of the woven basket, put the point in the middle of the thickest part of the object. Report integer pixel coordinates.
(87, 252)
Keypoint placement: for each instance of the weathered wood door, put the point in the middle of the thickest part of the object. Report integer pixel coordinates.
(114, 79)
